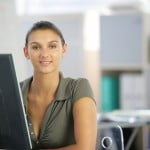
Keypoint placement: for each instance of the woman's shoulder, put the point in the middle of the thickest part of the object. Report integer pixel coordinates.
(79, 87)
(75, 83)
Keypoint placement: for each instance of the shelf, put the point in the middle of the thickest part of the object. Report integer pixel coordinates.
(121, 68)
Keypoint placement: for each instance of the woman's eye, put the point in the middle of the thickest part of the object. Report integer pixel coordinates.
(35, 47)
(52, 46)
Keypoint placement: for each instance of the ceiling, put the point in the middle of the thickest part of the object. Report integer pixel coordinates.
(59, 6)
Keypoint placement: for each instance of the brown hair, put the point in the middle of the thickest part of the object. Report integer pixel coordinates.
(43, 25)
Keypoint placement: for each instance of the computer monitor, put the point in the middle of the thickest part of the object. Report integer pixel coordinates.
(14, 132)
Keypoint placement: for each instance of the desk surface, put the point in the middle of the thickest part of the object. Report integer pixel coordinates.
(126, 119)
(123, 124)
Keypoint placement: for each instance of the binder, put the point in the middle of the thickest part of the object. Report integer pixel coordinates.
(132, 91)
(110, 93)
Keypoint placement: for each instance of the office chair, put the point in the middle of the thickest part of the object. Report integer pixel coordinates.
(109, 137)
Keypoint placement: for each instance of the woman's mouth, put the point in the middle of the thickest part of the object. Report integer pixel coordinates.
(45, 63)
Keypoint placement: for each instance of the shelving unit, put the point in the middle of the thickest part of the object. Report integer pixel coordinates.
(124, 53)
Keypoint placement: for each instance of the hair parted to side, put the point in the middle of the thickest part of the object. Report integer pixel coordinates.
(44, 25)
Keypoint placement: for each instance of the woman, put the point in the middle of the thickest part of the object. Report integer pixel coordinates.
(61, 111)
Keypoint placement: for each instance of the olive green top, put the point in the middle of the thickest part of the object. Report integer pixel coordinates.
(57, 129)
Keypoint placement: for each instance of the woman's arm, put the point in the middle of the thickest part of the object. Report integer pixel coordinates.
(84, 113)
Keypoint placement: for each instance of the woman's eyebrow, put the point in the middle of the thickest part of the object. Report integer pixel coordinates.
(34, 43)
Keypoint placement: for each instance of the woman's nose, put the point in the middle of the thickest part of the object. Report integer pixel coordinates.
(45, 53)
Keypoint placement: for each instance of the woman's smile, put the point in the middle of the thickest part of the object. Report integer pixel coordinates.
(45, 63)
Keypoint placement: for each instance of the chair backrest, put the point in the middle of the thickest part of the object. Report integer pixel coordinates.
(109, 137)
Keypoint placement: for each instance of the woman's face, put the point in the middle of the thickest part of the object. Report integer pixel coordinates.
(45, 51)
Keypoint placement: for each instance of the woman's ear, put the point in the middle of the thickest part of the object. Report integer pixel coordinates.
(26, 53)
(64, 50)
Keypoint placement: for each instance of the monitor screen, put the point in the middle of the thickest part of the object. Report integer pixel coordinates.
(14, 133)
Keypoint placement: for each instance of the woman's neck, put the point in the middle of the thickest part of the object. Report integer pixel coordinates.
(45, 84)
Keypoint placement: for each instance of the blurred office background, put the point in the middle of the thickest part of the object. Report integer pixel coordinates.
(108, 43)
